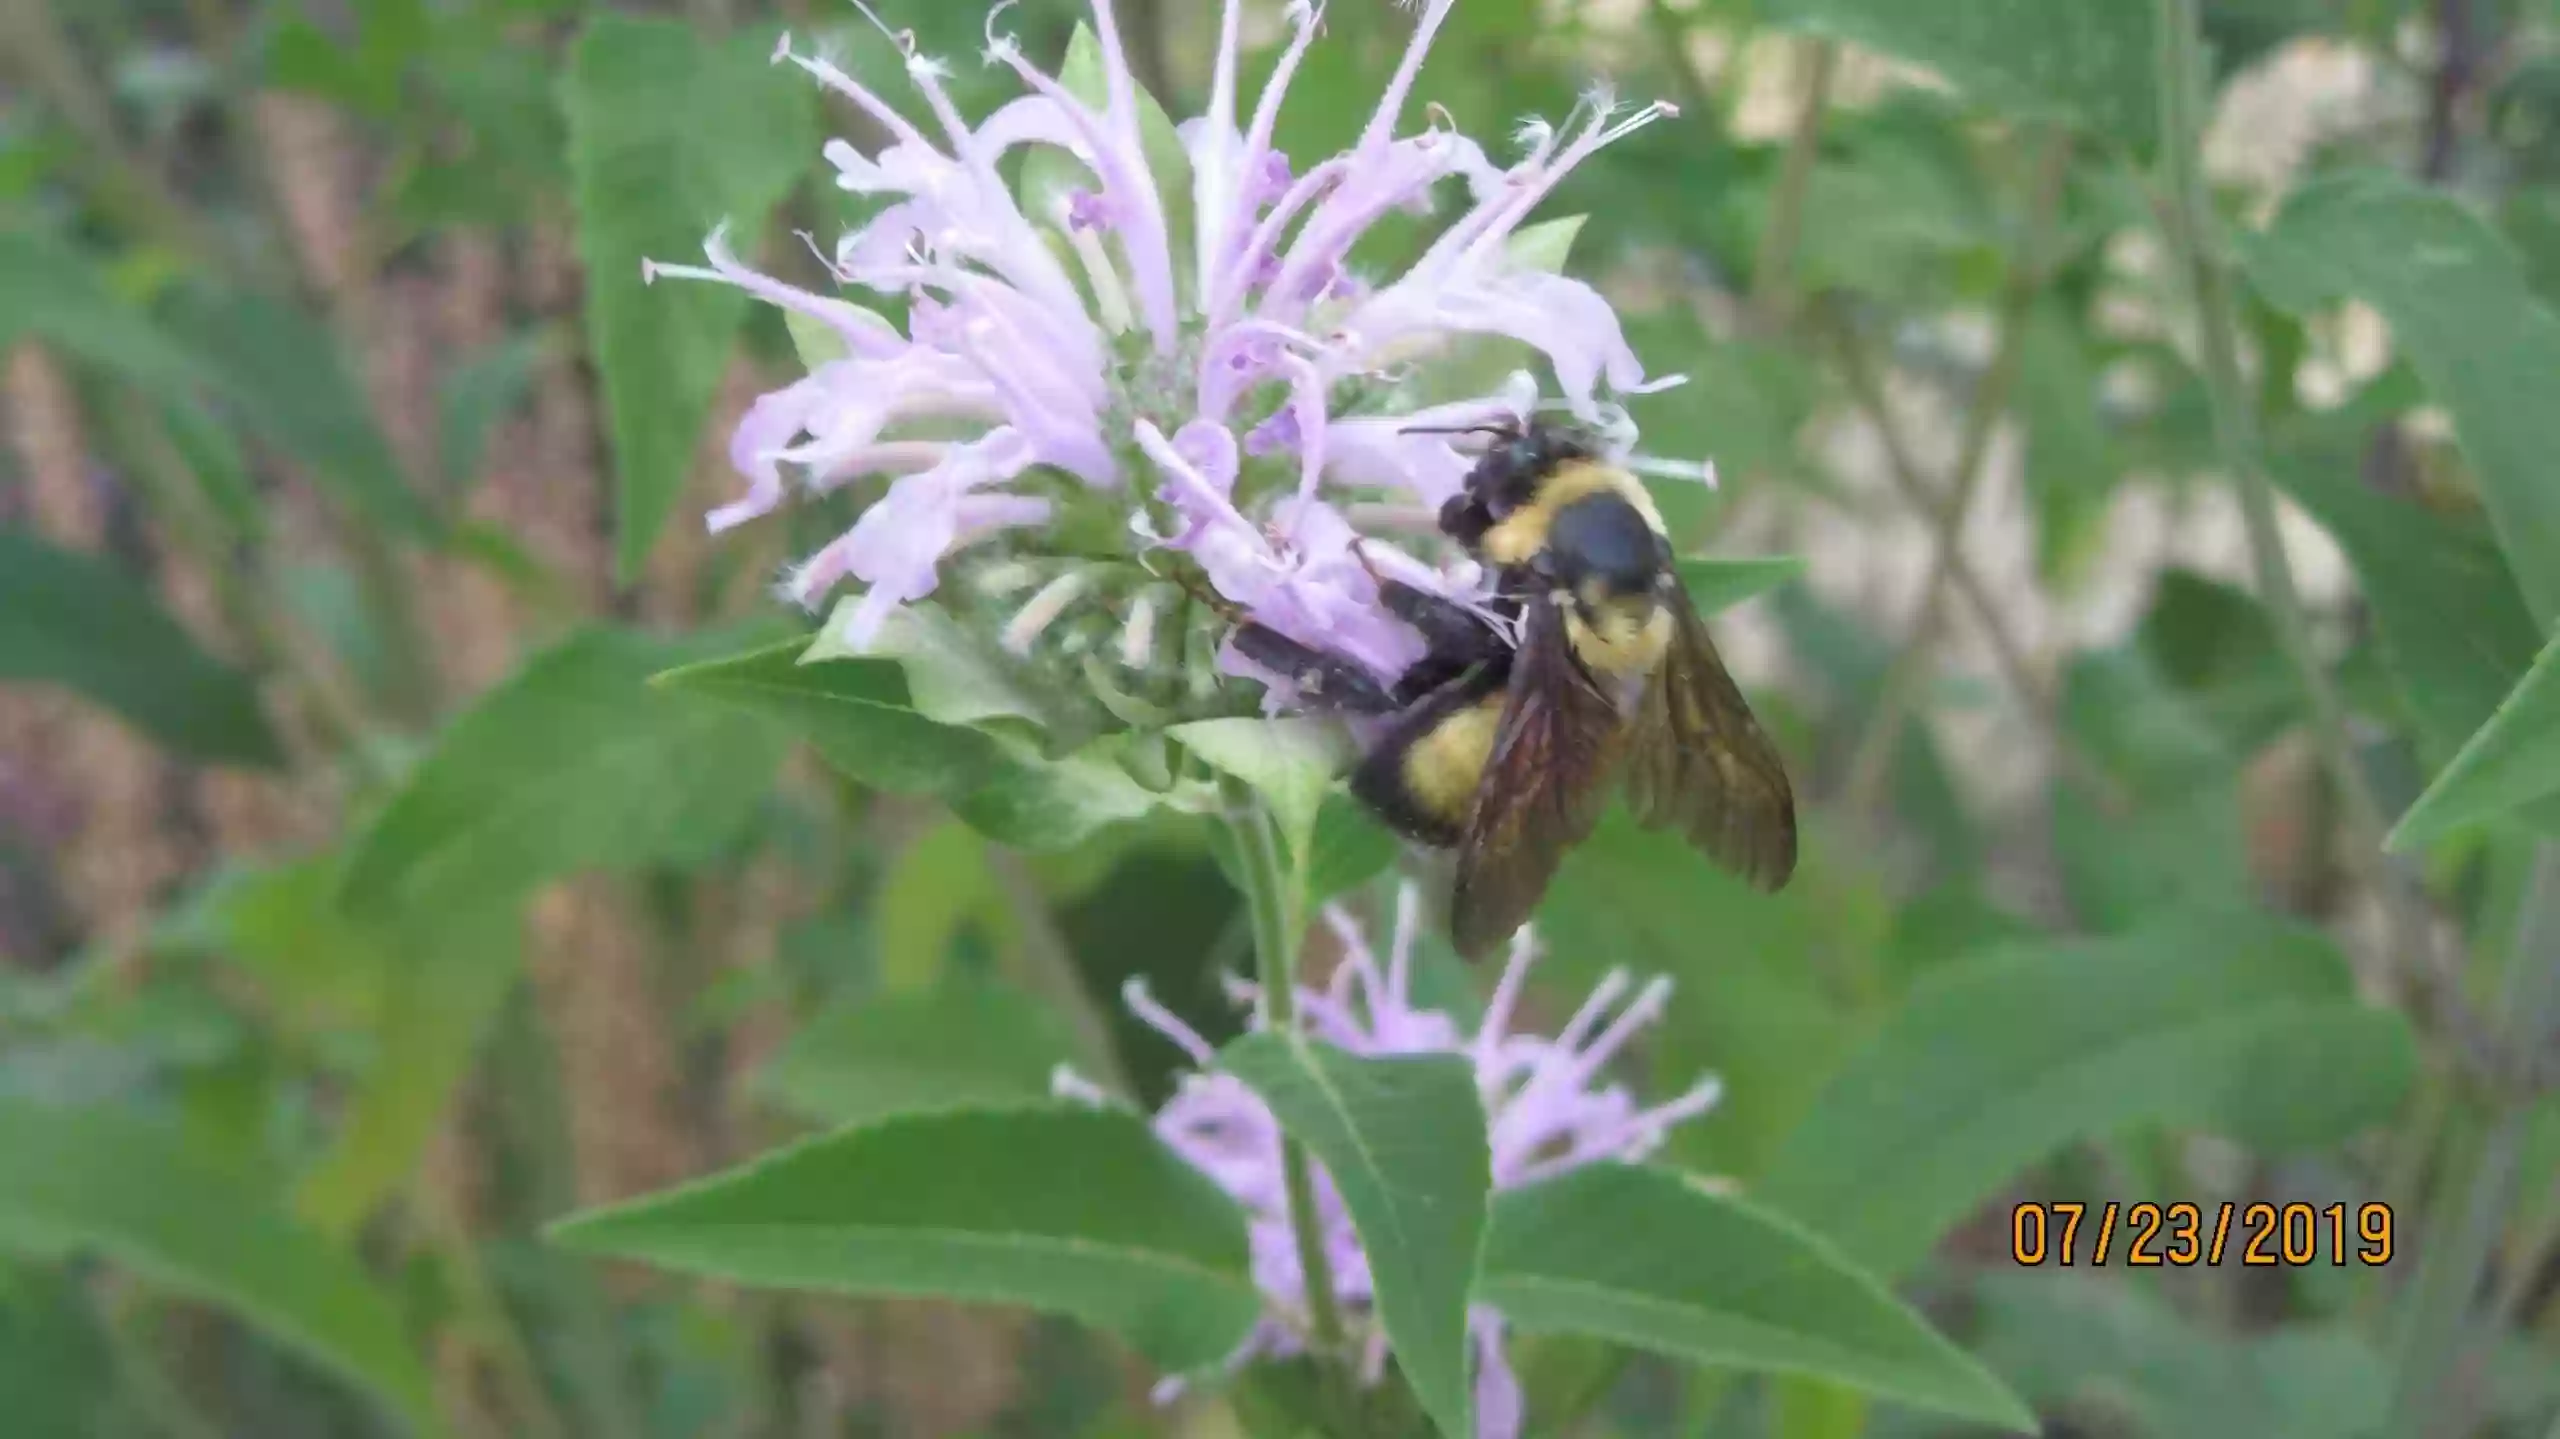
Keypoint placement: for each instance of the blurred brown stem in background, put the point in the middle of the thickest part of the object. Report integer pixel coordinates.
(1913, 665)
(1773, 265)
(2037, 695)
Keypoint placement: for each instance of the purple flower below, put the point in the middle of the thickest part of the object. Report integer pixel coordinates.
(1548, 1106)
(1064, 349)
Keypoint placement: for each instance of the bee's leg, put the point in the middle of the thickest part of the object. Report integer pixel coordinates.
(1324, 681)
(1464, 518)
(1451, 629)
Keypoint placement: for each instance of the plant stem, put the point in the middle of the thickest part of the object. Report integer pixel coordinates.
(2451, 1273)
(2187, 219)
(1048, 968)
(1773, 266)
(1275, 893)
(1874, 750)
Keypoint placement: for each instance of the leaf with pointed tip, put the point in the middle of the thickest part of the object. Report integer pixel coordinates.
(854, 710)
(53, 292)
(1717, 583)
(71, 620)
(475, 397)
(2511, 762)
(106, 1180)
(669, 135)
(571, 764)
(1645, 1257)
(1545, 245)
(859, 712)
(289, 381)
(1403, 1137)
(2463, 310)
(1057, 1207)
(2452, 625)
(448, 981)
(965, 1041)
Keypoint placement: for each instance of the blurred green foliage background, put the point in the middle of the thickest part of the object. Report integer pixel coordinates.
(362, 912)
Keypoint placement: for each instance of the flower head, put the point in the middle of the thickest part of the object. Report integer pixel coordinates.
(1201, 367)
(1548, 1105)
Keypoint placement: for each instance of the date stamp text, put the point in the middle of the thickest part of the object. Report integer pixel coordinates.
(2067, 1233)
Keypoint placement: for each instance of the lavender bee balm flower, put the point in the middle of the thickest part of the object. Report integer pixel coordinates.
(1103, 404)
(1550, 1109)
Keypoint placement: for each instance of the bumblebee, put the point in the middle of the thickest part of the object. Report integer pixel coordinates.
(1592, 665)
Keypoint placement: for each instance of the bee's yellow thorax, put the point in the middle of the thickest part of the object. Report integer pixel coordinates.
(1619, 637)
(1523, 532)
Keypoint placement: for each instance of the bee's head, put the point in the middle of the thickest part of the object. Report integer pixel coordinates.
(1522, 453)
(1521, 457)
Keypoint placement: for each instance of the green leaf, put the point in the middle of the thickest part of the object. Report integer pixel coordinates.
(1403, 1137)
(2070, 467)
(1291, 763)
(2513, 761)
(2177, 840)
(937, 883)
(2088, 61)
(1040, 804)
(814, 340)
(854, 710)
(2230, 1023)
(1061, 1208)
(1646, 1258)
(669, 135)
(106, 1180)
(953, 677)
(572, 764)
(2454, 632)
(474, 398)
(1349, 848)
(2216, 646)
(1545, 245)
(55, 1363)
(2071, 1339)
(966, 1041)
(1717, 584)
(2462, 310)
(283, 372)
(50, 292)
(71, 620)
(447, 978)
(213, 456)
(1894, 215)
(1758, 975)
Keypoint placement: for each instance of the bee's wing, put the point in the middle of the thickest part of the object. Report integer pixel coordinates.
(1543, 785)
(1700, 764)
